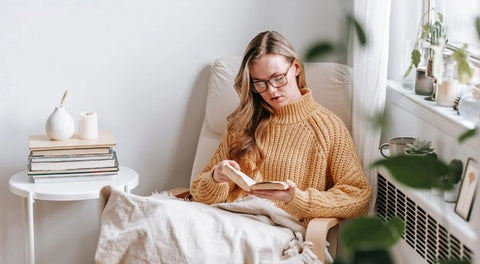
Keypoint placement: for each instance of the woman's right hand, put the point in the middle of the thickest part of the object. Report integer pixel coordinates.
(218, 174)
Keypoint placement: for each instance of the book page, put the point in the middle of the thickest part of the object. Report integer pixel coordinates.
(270, 185)
(239, 178)
(248, 184)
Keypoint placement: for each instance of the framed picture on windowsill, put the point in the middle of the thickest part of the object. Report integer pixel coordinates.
(467, 189)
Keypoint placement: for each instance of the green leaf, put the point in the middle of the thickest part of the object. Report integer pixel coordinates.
(426, 27)
(339, 260)
(455, 261)
(420, 172)
(416, 57)
(319, 49)
(379, 120)
(359, 29)
(464, 72)
(408, 71)
(372, 256)
(440, 16)
(467, 134)
(368, 233)
(478, 26)
(425, 30)
(396, 225)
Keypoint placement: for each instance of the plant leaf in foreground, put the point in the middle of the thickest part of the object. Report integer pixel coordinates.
(369, 233)
(467, 134)
(319, 49)
(420, 172)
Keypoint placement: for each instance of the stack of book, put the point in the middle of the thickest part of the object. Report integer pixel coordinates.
(73, 159)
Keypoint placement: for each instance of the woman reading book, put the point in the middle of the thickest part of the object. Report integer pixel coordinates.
(280, 133)
(277, 133)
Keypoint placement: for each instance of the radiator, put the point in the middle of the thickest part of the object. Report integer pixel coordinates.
(423, 233)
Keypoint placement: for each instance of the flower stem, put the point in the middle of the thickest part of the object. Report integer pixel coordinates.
(63, 97)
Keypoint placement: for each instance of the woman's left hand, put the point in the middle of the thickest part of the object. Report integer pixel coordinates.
(283, 196)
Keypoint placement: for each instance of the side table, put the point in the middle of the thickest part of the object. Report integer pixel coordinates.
(20, 184)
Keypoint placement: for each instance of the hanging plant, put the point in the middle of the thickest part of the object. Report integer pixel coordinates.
(423, 34)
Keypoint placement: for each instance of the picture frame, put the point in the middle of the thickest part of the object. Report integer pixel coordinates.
(468, 188)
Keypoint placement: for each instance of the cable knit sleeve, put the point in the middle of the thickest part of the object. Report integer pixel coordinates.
(204, 188)
(347, 192)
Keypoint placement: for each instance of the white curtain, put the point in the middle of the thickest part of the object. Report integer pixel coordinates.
(370, 79)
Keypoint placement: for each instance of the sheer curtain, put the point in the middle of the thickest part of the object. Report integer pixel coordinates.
(369, 79)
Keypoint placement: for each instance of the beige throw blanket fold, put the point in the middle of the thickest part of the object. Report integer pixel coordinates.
(164, 229)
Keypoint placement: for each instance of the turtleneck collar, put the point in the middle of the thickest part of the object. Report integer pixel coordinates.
(296, 111)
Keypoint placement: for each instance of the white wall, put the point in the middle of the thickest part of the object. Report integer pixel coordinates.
(143, 66)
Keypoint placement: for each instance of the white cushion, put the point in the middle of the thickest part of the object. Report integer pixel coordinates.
(222, 97)
(330, 84)
(332, 87)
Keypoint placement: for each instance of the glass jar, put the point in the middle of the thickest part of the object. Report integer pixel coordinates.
(469, 108)
(447, 90)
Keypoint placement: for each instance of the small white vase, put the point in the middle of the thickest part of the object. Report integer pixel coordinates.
(60, 125)
(451, 196)
(436, 191)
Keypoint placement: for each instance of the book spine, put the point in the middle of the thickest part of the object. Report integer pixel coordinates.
(71, 172)
(73, 166)
(70, 158)
(71, 152)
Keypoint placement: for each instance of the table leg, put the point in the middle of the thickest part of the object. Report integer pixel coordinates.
(29, 232)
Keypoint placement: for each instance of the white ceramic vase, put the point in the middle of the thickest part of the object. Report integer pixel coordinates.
(451, 196)
(60, 125)
(436, 191)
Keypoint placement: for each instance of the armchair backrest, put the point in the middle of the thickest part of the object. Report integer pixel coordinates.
(330, 84)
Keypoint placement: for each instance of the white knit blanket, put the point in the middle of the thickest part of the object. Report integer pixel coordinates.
(164, 229)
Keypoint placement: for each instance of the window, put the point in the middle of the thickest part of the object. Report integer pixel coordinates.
(459, 17)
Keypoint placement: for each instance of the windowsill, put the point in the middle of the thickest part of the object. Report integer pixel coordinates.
(442, 117)
(441, 112)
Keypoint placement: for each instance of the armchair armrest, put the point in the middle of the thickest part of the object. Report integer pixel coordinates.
(321, 230)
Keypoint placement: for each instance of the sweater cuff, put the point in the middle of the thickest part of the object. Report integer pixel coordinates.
(210, 189)
(299, 201)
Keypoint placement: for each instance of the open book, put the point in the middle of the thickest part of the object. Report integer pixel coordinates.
(248, 184)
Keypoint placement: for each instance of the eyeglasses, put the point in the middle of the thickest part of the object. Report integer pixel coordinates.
(276, 81)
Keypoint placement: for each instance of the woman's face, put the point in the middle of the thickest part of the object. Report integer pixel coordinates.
(269, 69)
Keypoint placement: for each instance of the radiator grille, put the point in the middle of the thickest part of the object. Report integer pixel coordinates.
(423, 233)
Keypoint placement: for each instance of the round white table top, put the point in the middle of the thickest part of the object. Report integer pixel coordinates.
(20, 184)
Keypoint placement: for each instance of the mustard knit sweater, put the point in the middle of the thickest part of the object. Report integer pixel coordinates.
(310, 146)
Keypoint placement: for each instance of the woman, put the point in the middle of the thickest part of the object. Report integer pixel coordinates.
(279, 132)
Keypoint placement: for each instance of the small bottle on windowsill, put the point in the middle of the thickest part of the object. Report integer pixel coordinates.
(447, 90)
(469, 105)
(423, 84)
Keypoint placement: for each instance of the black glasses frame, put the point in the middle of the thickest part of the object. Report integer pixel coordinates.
(269, 81)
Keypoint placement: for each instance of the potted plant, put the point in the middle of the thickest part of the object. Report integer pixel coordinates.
(453, 177)
(431, 38)
(419, 147)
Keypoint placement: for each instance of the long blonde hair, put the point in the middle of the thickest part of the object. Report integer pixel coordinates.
(248, 124)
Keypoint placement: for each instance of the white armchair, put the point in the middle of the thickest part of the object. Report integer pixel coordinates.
(331, 86)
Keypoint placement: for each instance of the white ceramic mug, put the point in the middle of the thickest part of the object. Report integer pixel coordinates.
(88, 125)
(396, 146)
